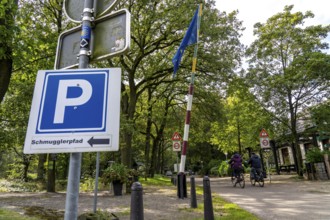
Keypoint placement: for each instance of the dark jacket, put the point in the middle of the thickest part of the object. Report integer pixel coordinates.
(236, 161)
(255, 161)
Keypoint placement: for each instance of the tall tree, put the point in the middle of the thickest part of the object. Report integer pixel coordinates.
(39, 23)
(8, 28)
(288, 69)
(157, 29)
(243, 119)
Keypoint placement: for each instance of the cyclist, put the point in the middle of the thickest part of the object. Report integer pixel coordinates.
(255, 163)
(236, 165)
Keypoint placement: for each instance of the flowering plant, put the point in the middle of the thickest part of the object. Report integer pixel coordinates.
(116, 172)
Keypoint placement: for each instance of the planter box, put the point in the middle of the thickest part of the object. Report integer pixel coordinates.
(117, 188)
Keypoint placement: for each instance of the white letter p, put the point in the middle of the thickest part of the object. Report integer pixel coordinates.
(62, 101)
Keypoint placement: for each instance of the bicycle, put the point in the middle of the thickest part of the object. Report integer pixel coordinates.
(238, 179)
(259, 177)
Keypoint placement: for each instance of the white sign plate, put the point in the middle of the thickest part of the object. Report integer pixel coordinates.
(264, 143)
(110, 37)
(176, 146)
(75, 111)
(74, 8)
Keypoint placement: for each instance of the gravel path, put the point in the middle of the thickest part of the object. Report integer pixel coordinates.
(158, 204)
(283, 198)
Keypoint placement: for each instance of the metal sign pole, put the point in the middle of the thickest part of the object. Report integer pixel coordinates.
(96, 180)
(71, 203)
(177, 162)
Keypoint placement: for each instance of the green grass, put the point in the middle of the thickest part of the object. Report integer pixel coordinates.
(11, 215)
(223, 209)
(158, 180)
(18, 185)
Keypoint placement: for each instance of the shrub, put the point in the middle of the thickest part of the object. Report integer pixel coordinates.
(119, 172)
(224, 169)
(116, 172)
(214, 171)
(314, 155)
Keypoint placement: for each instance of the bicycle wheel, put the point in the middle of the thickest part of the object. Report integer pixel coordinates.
(253, 181)
(241, 180)
(261, 182)
(233, 181)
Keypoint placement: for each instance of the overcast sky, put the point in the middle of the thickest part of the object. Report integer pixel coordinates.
(253, 11)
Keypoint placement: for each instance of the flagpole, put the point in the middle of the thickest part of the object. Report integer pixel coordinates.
(182, 184)
(190, 98)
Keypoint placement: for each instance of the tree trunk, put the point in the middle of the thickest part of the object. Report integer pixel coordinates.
(154, 159)
(41, 167)
(6, 66)
(26, 164)
(159, 167)
(6, 60)
(295, 137)
(128, 105)
(51, 173)
(239, 138)
(126, 149)
(299, 157)
(148, 134)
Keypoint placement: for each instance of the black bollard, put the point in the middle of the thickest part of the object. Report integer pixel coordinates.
(182, 185)
(208, 207)
(137, 202)
(193, 199)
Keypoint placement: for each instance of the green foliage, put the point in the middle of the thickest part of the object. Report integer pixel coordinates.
(288, 70)
(87, 185)
(7, 27)
(6, 214)
(224, 169)
(315, 155)
(61, 185)
(243, 118)
(320, 116)
(214, 171)
(116, 172)
(119, 172)
(21, 186)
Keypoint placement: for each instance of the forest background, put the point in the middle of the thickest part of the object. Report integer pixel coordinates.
(287, 79)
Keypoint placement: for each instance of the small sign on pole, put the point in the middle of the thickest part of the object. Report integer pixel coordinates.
(176, 136)
(61, 101)
(264, 139)
(176, 146)
(110, 37)
(73, 8)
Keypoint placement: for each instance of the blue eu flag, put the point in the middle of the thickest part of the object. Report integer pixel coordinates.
(191, 37)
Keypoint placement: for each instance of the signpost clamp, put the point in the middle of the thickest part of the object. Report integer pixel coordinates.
(89, 10)
(84, 52)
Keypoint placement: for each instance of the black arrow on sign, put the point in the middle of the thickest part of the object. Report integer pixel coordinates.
(93, 141)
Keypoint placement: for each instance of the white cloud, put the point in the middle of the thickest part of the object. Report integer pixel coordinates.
(253, 11)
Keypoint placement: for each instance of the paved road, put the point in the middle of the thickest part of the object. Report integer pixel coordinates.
(283, 198)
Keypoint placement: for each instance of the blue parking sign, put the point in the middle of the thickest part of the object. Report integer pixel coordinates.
(75, 111)
(78, 105)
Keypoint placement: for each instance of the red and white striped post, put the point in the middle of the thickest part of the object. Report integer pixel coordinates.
(187, 125)
(182, 187)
